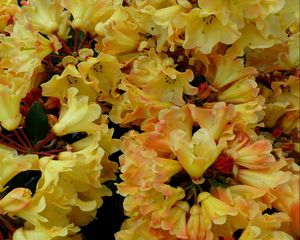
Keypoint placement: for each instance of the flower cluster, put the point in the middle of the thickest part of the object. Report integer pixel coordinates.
(200, 98)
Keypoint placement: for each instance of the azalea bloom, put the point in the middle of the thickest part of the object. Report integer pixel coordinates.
(206, 26)
(179, 119)
(77, 110)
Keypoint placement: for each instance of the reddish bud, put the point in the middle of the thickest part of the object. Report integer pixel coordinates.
(52, 103)
(32, 96)
(204, 91)
(297, 73)
(224, 164)
(257, 130)
(24, 110)
(287, 146)
(277, 132)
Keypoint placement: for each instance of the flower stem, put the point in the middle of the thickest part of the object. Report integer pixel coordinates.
(47, 139)
(75, 40)
(20, 139)
(66, 47)
(82, 41)
(26, 138)
(12, 142)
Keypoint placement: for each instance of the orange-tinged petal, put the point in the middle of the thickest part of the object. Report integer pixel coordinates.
(263, 179)
(214, 209)
(176, 221)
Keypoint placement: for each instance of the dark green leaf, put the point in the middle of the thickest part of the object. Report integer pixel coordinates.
(37, 125)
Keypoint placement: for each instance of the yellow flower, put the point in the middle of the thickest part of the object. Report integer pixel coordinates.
(206, 27)
(196, 154)
(156, 75)
(51, 171)
(168, 120)
(263, 179)
(250, 37)
(136, 230)
(239, 81)
(176, 221)
(58, 85)
(253, 155)
(215, 119)
(11, 164)
(23, 50)
(215, 210)
(15, 200)
(274, 111)
(78, 115)
(104, 72)
(87, 14)
(8, 9)
(121, 35)
(134, 106)
(165, 28)
(196, 227)
(32, 213)
(288, 201)
(41, 232)
(250, 233)
(291, 58)
(10, 98)
(251, 112)
(48, 17)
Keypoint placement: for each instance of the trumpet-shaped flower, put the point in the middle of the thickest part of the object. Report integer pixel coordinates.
(215, 210)
(58, 85)
(10, 98)
(78, 115)
(196, 227)
(156, 75)
(11, 164)
(205, 28)
(104, 72)
(288, 201)
(32, 213)
(255, 155)
(15, 200)
(48, 17)
(215, 119)
(41, 232)
(234, 82)
(197, 154)
(176, 221)
(8, 9)
(25, 47)
(121, 36)
(263, 179)
(89, 13)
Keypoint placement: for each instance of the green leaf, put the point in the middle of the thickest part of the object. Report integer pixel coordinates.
(37, 125)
